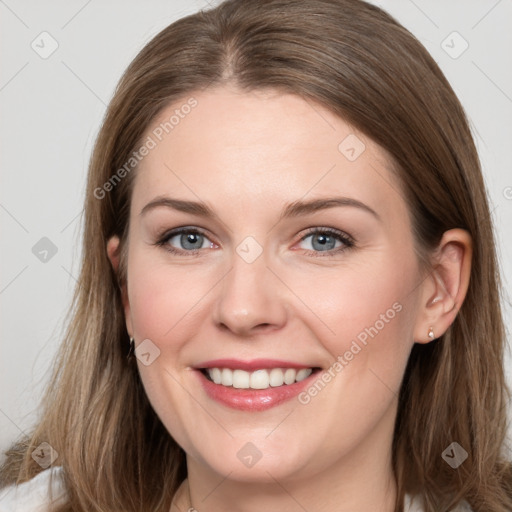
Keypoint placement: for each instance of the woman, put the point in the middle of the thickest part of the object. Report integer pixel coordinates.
(289, 296)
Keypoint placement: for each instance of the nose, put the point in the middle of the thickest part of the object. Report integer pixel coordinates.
(250, 300)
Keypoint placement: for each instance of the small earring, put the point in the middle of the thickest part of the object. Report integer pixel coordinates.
(431, 333)
(131, 350)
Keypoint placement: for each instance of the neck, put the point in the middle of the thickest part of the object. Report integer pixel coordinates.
(326, 495)
(360, 481)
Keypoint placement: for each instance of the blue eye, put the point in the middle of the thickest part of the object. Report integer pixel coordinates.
(317, 241)
(185, 240)
(330, 241)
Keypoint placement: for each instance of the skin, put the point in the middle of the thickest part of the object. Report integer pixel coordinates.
(246, 155)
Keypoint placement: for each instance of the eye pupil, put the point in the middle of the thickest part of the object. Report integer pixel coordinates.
(326, 242)
(190, 240)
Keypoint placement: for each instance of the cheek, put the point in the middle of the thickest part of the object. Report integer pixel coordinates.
(363, 312)
(164, 298)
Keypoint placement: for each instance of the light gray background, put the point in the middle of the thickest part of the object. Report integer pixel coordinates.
(52, 109)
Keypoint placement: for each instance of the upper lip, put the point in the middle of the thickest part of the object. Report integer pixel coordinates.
(252, 365)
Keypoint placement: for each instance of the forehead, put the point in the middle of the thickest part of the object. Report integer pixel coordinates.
(261, 147)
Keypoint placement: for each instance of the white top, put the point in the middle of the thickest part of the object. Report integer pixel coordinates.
(33, 496)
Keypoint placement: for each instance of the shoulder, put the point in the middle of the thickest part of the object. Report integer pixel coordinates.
(415, 504)
(35, 495)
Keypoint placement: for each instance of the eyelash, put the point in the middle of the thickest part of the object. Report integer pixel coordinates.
(348, 241)
(162, 241)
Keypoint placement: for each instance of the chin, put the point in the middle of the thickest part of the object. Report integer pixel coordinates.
(260, 460)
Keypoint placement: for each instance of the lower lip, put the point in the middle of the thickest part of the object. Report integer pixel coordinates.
(253, 399)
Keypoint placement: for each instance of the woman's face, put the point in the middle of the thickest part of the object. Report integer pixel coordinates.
(267, 236)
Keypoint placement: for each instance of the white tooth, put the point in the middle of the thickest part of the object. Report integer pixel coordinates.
(215, 375)
(227, 377)
(240, 379)
(302, 374)
(259, 379)
(289, 375)
(276, 377)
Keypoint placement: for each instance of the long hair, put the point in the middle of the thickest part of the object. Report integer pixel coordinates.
(361, 64)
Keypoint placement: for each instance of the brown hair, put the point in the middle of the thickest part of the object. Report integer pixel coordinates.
(362, 65)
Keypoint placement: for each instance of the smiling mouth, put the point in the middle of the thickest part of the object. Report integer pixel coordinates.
(259, 379)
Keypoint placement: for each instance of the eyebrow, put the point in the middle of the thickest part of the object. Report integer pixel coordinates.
(295, 209)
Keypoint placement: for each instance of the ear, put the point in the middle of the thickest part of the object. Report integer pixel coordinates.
(113, 252)
(444, 290)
